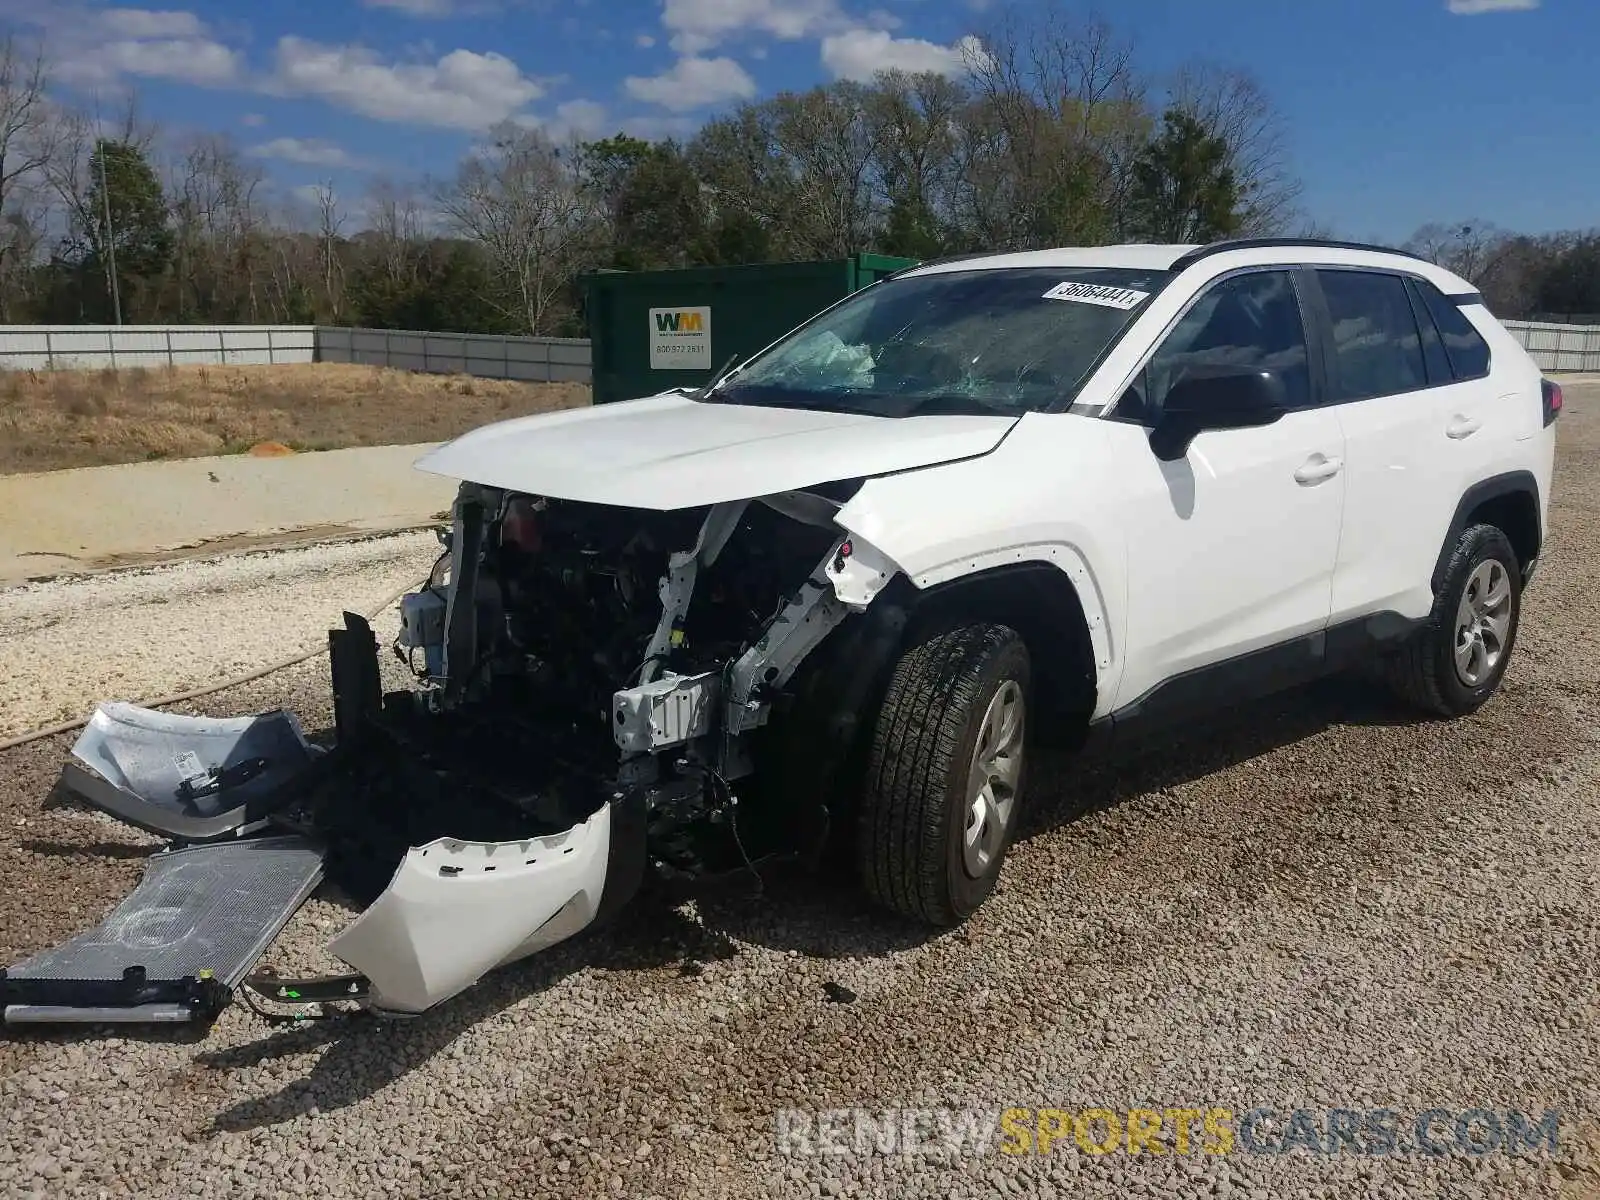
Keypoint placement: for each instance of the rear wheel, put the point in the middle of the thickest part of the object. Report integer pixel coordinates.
(1456, 660)
(946, 773)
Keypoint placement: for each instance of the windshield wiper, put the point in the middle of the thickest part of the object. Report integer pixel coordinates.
(710, 387)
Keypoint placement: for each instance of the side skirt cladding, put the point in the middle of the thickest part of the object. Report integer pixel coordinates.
(1193, 695)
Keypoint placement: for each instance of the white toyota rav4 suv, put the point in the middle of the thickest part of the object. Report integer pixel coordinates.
(836, 597)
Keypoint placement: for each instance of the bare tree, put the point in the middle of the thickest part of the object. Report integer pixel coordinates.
(330, 228)
(1232, 105)
(1474, 250)
(824, 148)
(220, 231)
(912, 129)
(26, 144)
(1057, 121)
(521, 199)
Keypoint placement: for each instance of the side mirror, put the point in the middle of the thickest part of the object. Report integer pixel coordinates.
(1224, 399)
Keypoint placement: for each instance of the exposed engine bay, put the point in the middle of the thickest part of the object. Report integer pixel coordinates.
(565, 650)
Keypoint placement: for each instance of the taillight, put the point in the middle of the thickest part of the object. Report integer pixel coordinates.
(1552, 400)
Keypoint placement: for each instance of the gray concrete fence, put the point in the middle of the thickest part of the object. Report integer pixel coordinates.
(94, 347)
(52, 347)
(1559, 347)
(541, 360)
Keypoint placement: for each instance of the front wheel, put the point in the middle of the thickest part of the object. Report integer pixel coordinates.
(945, 776)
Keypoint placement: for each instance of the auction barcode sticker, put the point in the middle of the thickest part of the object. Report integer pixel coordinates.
(1095, 293)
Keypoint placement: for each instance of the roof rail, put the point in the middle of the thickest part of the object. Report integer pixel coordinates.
(1268, 243)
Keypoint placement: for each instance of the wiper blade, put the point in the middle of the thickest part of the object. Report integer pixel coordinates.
(711, 386)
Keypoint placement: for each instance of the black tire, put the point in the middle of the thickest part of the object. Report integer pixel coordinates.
(914, 805)
(1423, 672)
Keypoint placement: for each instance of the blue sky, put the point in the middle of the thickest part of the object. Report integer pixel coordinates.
(1398, 112)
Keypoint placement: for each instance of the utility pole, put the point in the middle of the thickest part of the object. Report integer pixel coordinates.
(111, 233)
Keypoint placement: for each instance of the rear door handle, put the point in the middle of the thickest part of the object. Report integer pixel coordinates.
(1462, 427)
(1317, 468)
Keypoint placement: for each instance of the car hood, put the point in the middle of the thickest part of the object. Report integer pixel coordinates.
(669, 451)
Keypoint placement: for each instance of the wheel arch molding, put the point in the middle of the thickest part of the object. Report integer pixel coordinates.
(1510, 502)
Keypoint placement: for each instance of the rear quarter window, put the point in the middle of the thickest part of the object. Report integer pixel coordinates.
(1463, 344)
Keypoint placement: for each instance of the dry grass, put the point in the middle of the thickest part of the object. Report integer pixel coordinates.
(55, 419)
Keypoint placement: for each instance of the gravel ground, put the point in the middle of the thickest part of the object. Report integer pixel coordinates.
(156, 631)
(1319, 903)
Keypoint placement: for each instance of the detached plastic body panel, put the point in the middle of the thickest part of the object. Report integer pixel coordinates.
(193, 778)
(456, 910)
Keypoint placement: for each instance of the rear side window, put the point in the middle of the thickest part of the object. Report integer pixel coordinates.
(1469, 353)
(1439, 369)
(1377, 348)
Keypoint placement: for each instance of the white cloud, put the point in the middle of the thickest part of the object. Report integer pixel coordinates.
(189, 60)
(415, 8)
(91, 47)
(462, 90)
(697, 25)
(253, 120)
(693, 83)
(582, 119)
(644, 41)
(311, 152)
(860, 54)
(1471, 8)
(144, 23)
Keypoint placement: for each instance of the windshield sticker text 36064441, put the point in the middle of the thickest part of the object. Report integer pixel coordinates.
(1094, 293)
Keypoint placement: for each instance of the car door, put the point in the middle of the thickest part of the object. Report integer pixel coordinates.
(1393, 391)
(1230, 548)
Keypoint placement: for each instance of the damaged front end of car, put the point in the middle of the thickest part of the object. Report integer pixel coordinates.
(601, 695)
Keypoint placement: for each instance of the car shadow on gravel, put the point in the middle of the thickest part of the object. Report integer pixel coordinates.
(122, 850)
(824, 915)
(365, 1054)
(1101, 778)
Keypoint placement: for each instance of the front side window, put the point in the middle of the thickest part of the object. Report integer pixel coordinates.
(1250, 321)
(1003, 340)
(1377, 350)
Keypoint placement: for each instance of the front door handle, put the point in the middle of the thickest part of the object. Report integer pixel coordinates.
(1462, 427)
(1317, 468)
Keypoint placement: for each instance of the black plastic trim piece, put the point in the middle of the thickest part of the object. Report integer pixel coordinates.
(1463, 299)
(1509, 484)
(1259, 673)
(357, 684)
(626, 852)
(1318, 328)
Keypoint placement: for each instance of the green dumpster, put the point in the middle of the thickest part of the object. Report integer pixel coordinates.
(654, 330)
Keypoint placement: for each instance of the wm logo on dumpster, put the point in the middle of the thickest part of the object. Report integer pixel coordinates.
(680, 322)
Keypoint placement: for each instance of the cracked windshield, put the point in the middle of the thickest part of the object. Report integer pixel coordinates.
(1008, 341)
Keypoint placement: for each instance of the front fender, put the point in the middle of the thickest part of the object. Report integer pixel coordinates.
(1048, 495)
